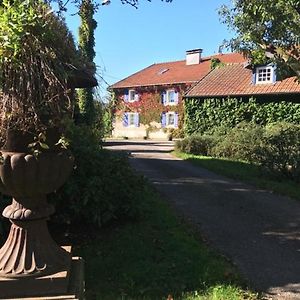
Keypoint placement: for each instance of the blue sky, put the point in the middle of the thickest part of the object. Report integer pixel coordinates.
(129, 39)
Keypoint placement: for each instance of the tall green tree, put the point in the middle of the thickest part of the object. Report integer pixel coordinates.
(86, 45)
(266, 27)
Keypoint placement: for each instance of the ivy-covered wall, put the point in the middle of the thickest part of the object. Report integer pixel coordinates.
(150, 108)
(203, 115)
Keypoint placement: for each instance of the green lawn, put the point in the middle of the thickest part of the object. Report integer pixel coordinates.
(156, 257)
(245, 172)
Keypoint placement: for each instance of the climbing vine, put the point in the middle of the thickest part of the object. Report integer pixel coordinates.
(204, 115)
(150, 109)
(86, 46)
(216, 63)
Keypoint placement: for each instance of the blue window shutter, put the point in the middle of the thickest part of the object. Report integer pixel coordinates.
(125, 120)
(164, 97)
(254, 76)
(176, 120)
(176, 97)
(163, 120)
(126, 96)
(136, 120)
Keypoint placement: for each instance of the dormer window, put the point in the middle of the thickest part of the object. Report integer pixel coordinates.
(264, 75)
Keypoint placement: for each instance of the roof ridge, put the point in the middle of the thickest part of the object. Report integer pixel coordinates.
(202, 58)
(181, 60)
(168, 62)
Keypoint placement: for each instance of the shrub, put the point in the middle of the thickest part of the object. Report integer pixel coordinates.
(280, 149)
(275, 147)
(197, 144)
(240, 142)
(102, 187)
(218, 131)
(177, 133)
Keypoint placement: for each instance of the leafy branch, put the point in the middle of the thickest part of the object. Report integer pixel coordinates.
(36, 52)
(266, 28)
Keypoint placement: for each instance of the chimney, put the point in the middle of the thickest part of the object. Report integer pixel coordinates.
(193, 57)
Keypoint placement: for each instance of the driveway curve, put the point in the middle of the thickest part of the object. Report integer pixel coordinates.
(256, 229)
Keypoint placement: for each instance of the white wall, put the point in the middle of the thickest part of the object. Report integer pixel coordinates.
(138, 132)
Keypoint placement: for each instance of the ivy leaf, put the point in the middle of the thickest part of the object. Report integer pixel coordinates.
(44, 146)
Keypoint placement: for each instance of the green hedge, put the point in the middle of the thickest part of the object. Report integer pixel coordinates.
(275, 147)
(279, 151)
(197, 144)
(204, 115)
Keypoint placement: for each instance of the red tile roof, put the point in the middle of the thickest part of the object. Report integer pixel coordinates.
(236, 80)
(174, 72)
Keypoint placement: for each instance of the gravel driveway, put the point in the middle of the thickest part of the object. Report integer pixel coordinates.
(258, 230)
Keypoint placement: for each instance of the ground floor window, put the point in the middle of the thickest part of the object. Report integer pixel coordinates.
(131, 119)
(170, 119)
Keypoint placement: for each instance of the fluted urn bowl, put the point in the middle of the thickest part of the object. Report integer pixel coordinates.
(27, 175)
(29, 249)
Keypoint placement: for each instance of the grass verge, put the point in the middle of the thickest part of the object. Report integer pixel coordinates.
(245, 172)
(156, 257)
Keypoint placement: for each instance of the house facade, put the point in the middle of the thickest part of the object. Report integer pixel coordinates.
(149, 103)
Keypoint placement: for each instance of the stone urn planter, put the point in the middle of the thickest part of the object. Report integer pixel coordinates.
(29, 249)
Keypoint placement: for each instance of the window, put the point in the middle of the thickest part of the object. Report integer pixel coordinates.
(162, 71)
(169, 119)
(132, 96)
(169, 97)
(264, 75)
(131, 119)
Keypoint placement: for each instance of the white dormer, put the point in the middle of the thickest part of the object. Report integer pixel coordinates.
(265, 74)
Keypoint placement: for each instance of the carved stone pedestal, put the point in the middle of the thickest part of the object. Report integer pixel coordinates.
(31, 263)
(30, 251)
(68, 284)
